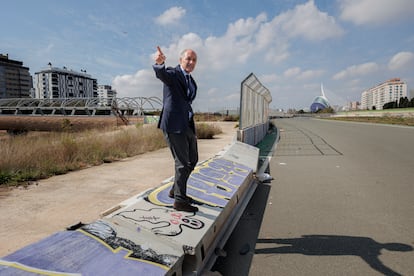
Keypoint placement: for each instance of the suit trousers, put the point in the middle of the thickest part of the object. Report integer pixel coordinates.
(184, 150)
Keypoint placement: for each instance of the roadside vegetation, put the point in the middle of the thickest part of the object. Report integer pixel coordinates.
(393, 120)
(34, 156)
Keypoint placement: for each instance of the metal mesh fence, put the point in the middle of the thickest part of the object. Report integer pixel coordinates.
(254, 110)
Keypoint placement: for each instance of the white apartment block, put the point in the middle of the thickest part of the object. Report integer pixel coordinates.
(352, 106)
(55, 83)
(389, 91)
(105, 94)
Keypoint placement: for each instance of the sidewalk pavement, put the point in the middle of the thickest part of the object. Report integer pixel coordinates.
(32, 213)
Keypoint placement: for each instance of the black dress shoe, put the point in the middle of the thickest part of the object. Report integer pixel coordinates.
(184, 206)
(189, 199)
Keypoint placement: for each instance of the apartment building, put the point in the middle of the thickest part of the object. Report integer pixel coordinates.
(15, 79)
(53, 82)
(390, 91)
(352, 106)
(105, 94)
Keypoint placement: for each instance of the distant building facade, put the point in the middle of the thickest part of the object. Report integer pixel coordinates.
(320, 102)
(54, 82)
(15, 79)
(353, 106)
(390, 91)
(105, 93)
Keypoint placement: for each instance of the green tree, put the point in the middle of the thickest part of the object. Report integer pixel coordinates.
(404, 102)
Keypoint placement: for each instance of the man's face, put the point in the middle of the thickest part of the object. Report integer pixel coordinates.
(188, 61)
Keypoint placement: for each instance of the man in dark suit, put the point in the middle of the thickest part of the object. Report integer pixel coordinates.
(177, 121)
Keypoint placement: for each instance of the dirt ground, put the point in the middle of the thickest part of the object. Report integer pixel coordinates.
(48, 206)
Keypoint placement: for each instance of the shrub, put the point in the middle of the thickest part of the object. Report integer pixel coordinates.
(207, 131)
(27, 158)
(31, 157)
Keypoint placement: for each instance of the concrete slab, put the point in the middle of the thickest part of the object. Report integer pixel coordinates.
(76, 253)
(243, 154)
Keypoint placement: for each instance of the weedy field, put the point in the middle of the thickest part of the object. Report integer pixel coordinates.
(33, 155)
(393, 120)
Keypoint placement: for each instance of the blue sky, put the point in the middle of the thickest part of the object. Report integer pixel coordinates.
(292, 46)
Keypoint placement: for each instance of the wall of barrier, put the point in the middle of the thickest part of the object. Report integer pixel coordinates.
(254, 110)
(144, 235)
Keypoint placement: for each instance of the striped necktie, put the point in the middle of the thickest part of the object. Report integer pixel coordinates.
(188, 85)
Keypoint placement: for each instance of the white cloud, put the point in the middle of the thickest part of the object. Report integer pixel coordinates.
(292, 72)
(277, 54)
(246, 27)
(401, 60)
(236, 46)
(254, 41)
(141, 84)
(297, 73)
(170, 16)
(189, 40)
(308, 22)
(310, 74)
(377, 12)
(357, 70)
(269, 78)
(305, 21)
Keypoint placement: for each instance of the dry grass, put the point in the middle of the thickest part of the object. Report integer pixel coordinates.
(31, 157)
(210, 117)
(394, 120)
(207, 131)
(28, 158)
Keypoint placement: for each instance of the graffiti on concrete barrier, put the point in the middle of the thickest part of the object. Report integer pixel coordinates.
(162, 221)
(108, 235)
(213, 182)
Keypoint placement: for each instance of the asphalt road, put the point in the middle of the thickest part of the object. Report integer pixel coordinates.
(341, 203)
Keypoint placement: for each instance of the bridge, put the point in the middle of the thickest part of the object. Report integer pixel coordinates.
(19, 115)
(80, 106)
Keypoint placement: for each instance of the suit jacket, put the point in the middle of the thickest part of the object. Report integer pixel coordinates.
(176, 108)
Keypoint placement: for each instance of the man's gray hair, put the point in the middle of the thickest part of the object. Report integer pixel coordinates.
(182, 54)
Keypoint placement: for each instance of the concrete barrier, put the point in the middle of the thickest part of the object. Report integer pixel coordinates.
(254, 134)
(144, 235)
